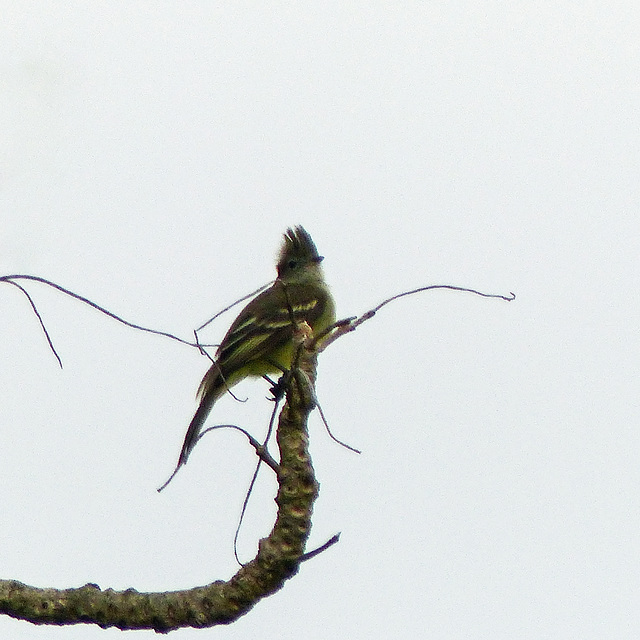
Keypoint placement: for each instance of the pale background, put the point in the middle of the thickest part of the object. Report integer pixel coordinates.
(152, 154)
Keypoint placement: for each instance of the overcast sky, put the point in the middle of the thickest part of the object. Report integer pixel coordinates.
(152, 155)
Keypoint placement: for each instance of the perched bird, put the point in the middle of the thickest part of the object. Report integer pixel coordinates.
(260, 340)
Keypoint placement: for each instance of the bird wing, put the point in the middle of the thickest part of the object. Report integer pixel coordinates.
(265, 324)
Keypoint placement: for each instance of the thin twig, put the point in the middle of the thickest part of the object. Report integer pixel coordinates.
(326, 426)
(312, 554)
(94, 305)
(233, 304)
(40, 320)
(261, 449)
(341, 327)
(318, 342)
(201, 347)
(253, 482)
(214, 363)
(165, 484)
(372, 312)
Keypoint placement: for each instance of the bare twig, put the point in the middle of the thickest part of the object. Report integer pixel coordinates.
(261, 449)
(233, 304)
(312, 554)
(341, 327)
(35, 310)
(253, 481)
(77, 296)
(326, 426)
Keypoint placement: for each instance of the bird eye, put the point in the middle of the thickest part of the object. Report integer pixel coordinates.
(292, 264)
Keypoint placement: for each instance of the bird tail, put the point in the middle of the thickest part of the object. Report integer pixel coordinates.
(195, 426)
(215, 389)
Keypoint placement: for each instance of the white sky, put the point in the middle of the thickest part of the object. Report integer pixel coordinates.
(151, 156)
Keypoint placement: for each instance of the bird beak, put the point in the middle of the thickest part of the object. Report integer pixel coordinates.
(318, 259)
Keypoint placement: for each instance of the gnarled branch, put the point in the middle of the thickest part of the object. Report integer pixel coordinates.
(278, 558)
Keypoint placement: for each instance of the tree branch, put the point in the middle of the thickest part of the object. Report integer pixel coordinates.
(278, 559)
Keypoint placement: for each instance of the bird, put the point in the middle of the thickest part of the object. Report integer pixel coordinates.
(259, 342)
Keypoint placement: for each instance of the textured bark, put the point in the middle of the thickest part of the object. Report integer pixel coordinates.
(278, 556)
